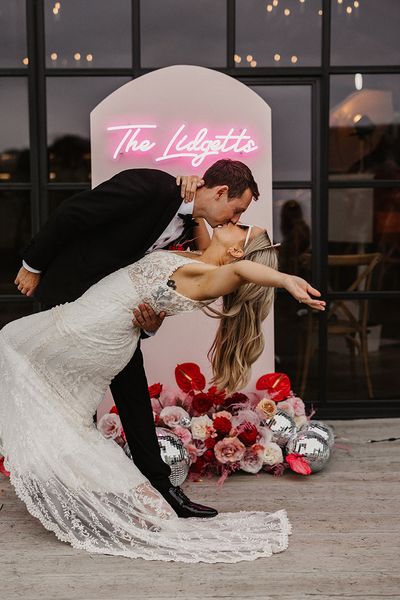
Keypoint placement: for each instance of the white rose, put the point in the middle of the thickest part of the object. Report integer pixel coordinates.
(272, 454)
(201, 427)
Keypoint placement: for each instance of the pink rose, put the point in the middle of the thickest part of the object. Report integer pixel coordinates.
(184, 434)
(110, 426)
(229, 450)
(253, 459)
(298, 406)
(173, 415)
(193, 452)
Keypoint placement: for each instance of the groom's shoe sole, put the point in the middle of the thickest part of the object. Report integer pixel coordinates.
(184, 507)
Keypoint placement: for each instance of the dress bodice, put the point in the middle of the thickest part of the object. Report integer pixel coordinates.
(152, 278)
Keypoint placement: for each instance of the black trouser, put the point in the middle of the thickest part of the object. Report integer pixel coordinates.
(131, 396)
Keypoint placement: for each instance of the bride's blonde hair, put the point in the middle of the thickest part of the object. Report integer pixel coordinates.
(239, 340)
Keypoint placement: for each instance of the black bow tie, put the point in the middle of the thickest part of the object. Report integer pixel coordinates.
(188, 220)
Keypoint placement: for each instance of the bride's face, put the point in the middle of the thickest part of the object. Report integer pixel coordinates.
(237, 235)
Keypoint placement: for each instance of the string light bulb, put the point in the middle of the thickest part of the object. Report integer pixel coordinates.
(287, 12)
(349, 10)
(25, 61)
(77, 56)
(275, 2)
(237, 58)
(53, 56)
(294, 59)
(89, 57)
(269, 7)
(253, 63)
(249, 58)
(277, 57)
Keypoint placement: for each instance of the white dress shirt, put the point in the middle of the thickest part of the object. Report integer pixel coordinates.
(171, 233)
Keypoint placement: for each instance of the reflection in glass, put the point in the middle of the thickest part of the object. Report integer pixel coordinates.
(284, 34)
(9, 311)
(181, 32)
(363, 222)
(13, 51)
(93, 33)
(14, 127)
(364, 136)
(368, 34)
(69, 103)
(291, 128)
(364, 364)
(15, 233)
(292, 227)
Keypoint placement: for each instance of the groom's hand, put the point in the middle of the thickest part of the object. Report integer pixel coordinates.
(145, 318)
(189, 185)
(26, 281)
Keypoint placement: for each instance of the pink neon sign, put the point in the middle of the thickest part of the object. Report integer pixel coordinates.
(197, 146)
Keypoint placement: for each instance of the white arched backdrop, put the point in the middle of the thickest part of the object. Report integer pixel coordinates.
(181, 119)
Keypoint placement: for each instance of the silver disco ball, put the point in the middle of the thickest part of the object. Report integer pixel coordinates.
(282, 426)
(321, 429)
(173, 452)
(310, 445)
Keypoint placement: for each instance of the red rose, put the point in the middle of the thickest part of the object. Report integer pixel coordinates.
(114, 410)
(201, 403)
(222, 425)
(237, 398)
(217, 397)
(198, 466)
(208, 456)
(210, 442)
(249, 435)
(155, 390)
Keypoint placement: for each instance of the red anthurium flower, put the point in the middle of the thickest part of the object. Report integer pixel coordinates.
(189, 377)
(276, 384)
(155, 390)
(2, 467)
(114, 410)
(298, 463)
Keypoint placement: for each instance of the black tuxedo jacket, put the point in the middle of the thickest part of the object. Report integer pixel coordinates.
(98, 231)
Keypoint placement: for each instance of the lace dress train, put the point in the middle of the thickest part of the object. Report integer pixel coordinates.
(55, 367)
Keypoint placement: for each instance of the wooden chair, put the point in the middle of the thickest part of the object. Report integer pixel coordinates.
(340, 319)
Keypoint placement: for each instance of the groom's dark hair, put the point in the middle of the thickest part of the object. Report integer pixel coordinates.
(233, 173)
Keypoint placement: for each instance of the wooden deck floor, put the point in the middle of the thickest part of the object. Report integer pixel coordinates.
(345, 542)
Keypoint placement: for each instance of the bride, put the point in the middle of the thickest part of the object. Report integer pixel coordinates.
(56, 366)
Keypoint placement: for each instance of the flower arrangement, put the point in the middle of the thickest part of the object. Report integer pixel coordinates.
(223, 434)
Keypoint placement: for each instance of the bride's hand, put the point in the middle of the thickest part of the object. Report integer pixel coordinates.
(189, 185)
(300, 289)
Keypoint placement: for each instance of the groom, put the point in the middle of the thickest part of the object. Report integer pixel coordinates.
(99, 231)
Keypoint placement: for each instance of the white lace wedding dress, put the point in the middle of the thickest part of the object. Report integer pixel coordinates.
(55, 368)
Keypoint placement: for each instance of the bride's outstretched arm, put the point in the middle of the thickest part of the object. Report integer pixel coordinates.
(224, 280)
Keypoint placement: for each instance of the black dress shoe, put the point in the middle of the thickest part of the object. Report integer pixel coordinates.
(184, 507)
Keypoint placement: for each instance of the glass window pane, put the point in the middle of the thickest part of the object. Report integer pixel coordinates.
(367, 361)
(364, 136)
(13, 52)
(291, 349)
(15, 233)
(9, 311)
(291, 130)
(181, 32)
(94, 33)
(367, 34)
(292, 228)
(363, 222)
(69, 102)
(285, 35)
(14, 127)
